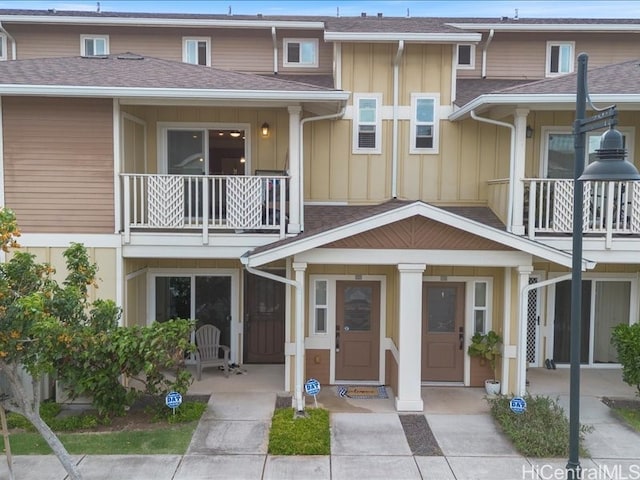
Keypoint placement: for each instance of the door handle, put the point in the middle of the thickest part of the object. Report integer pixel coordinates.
(337, 338)
(461, 337)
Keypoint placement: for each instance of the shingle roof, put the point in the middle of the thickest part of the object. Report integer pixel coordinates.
(322, 218)
(469, 88)
(131, 70)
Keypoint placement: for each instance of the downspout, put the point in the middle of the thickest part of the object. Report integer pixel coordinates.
(14, 48)
(484, 53)
(512, 159)
(394, 146)
(302, 124)
(299, 326)
(274, 41)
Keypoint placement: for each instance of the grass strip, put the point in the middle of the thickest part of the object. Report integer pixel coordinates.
(304, 435)
(629, 415)
(541, 431)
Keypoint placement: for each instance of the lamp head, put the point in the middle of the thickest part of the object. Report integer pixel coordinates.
(611, 164)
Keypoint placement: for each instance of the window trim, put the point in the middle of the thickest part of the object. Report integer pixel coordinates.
(628, 132)
(186, 40)
(285, 52)
(547, 68)
(414, 123)
(315, 306)
(4, 44)
(356, 123)
(472, 57)
(84, 37)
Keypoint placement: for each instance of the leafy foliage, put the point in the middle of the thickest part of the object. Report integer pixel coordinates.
(626, 339)
(541, 431)
(486, 346)
(308, 435)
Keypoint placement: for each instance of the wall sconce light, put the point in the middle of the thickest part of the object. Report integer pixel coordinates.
(264, 129)
(529, 132)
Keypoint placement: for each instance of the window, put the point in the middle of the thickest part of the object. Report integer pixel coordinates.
(3, 47)
(320, 307)
(367, 123)
(480, 307)
(424, 123)
(559, 58)
(559, 149)
(300, 52)
(466, 56)
(94, 45)
(195, 50)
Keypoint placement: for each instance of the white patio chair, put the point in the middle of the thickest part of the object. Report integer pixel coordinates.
(208, 350)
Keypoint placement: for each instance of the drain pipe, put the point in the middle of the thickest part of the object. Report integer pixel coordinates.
(304, 121)
(512, 160)
(274, 41)
(299, 326)
(394, 146)
(14, 49)
(484, 53)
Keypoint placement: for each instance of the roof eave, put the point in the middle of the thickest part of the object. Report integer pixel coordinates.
(493, 99)
(162, 22)
(406, 37)
(401, 213)
(175, 93)
(564, 27)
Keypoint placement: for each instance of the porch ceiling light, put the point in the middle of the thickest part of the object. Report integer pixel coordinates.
(611, 163)
(235, 134)
(264, 129)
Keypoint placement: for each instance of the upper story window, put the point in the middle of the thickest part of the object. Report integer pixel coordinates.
(466, 57)
(367, 123)
(424, 123)
(299, 52)
(196, 50)
(3, 47)
(558, 149)
(559, 58)
(92, 45)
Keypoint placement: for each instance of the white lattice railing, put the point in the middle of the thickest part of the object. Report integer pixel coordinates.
(608, 208)
(204, 202)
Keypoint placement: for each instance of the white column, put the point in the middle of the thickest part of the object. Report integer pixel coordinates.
(295, 182)
(299, 268)
(520, 150)
(521, 378)
(409, 395)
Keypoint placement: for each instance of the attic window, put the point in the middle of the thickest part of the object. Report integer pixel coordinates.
(299, 52)
(559, 58)
(196, 50)
(94, 45)
(466, 56)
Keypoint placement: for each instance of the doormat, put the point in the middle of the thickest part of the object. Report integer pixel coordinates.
(362, 391)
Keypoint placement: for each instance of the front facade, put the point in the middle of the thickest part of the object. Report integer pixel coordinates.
(353, 198)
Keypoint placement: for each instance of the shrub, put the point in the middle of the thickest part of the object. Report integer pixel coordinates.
(626, 339)
(541, 431)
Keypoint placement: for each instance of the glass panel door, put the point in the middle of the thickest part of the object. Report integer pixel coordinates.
(173, 298)
(213, 305)
(186, 152)
(611, 309)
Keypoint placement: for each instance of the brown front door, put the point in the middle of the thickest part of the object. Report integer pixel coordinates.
(357, 330)
(264, 320)
(443, 332)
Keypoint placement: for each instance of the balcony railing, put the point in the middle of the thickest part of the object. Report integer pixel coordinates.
(208, 203)
(610, 208)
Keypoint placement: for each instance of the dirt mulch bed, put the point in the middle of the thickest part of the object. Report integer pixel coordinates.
(630, 403)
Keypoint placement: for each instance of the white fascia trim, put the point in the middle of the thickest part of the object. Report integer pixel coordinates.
(163, 22)
(64, 240)
(534, 99)
(399, 36)
(565, 27)
(407, 211)
(194, 93)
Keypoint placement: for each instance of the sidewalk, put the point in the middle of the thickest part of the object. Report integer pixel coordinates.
(368, 441)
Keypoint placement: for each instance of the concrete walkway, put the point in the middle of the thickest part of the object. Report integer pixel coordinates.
(367, 440)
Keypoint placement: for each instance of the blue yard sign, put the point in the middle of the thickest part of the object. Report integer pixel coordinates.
(173, 400)
(312, 387)
(518, 405)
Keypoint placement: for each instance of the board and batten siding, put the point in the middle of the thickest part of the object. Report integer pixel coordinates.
(58, 164)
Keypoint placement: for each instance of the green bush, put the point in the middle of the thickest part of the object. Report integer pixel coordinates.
(541, 431)
(626, 339)
(307, 435)
(186, 412)
(49, 412)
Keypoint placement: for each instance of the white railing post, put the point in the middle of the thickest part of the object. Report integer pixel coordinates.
(205, 210)
(609, 219)
(282, 183)
(532, 209)
(127, 209)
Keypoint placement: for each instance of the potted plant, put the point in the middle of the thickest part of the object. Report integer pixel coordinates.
(487, 346)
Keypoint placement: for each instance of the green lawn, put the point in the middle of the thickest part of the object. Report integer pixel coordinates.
(167, 440)
(307, 435)
(631, 416)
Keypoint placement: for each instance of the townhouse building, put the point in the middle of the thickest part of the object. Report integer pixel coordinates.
(350, 197)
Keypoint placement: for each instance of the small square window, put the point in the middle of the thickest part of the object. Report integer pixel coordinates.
(466, 56)
(196, 50)
(300, 52)
(559, 58)
(94, 45)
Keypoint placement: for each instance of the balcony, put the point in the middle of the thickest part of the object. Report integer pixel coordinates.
(207, 204)
(610, 208)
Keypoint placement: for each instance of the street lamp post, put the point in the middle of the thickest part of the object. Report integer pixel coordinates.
(610, 166)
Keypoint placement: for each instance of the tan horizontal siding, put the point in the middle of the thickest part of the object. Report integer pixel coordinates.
(58, 164)
(243, 50)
